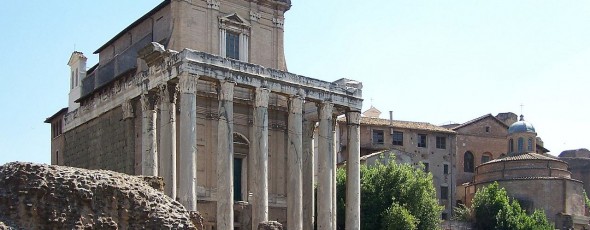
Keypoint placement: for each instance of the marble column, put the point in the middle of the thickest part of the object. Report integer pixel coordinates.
(168, 138)
(308, 175)
(258, 158)
(294, 164)
(187, 178)
(225, 157)
(326, 168)
(128, 115)
(149, 146)
(353, 172)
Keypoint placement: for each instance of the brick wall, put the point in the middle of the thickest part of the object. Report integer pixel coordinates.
(102, 143)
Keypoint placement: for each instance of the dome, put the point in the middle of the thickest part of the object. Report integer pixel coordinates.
(521, 127)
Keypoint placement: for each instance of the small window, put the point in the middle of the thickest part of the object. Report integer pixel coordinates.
(446, 169)
(232, 45)
(486, 157)
(422, 140)
(441, 142)
(426, 167)
(511, 146)
(444, 192)
(398, 138)
(520, 145)
(530, 145)
(487, 129)
(378, 137)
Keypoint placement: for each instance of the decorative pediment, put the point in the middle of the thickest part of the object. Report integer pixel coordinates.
(234, 21)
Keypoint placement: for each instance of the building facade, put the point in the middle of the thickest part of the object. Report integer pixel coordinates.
(197, 92)
(536, 180)
(412, 143)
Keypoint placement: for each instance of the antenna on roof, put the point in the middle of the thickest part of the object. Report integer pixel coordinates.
(521, 116)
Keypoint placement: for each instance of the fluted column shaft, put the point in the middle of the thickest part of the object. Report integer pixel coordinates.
(294, 164)
(225, 155)
(187, 178)
(353, 173)
(149, 147)
(308, 175)
(326, 169)
(258, 158)
(168, 139)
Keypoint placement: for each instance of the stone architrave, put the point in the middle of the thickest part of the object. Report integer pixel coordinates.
(294, 164)
(225, 157)
(149, 156)
(326, 168)
(187, 178)
(168, 138)
(353, 176)
(259, 158)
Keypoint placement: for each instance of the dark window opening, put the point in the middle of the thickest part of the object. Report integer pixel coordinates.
(441, 142)
(378, 137)
(422, 140)
(426, 167)
(446, 169)
(232, 45)
(398, 138)
(237, 179)
(444, 192)
(468, 162)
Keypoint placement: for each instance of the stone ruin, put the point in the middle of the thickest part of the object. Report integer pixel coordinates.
(38, 196)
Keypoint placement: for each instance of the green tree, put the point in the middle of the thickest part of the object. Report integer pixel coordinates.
(393, 196)
(494, 210)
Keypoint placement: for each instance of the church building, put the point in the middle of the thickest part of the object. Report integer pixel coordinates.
(198, 92)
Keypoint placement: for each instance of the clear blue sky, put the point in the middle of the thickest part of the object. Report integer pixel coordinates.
(433, 61)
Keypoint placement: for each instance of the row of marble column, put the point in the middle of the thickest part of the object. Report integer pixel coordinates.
(299, 156)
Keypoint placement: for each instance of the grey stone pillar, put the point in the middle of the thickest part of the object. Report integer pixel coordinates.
(168, 138)
(149, 146)
(353, 172)
(258, 158)
(127, 107)
(225, 157)
(308, 175)
(294, 164)
(187, 178)
(326, 168)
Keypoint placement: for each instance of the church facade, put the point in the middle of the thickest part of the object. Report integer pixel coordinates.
(198, 92)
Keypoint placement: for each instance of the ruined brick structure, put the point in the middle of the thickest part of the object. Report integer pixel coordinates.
(37, 196)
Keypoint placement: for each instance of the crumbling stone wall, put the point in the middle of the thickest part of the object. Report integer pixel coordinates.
(37, 196)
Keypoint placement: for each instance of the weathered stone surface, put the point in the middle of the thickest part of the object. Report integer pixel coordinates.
(37, 196)
(270, 225)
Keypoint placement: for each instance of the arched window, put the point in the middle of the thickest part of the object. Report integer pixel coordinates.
(530, 145)
(511, 146)
(468, 162)
(520, 145)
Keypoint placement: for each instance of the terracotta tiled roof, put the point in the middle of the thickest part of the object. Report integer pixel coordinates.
(402, 124)
(526, 156)
(479, 119)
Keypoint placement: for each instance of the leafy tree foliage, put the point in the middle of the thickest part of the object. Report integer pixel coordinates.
(493, 210)
(393, 196)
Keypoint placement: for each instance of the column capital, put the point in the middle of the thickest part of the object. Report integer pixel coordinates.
(127, 107)
(169, 92)
(261, 97)
(226, 90)
(353, 117)
(326, 108)
(296, 104)
(148, 102)
(187, 83)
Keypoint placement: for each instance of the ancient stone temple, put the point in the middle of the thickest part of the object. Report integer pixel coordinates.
(197, 92)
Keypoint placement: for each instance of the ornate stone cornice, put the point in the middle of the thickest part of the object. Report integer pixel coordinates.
(279, 22)
(254, 16)
(213, 4)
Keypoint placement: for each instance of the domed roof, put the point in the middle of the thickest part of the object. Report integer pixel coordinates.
(521, 127)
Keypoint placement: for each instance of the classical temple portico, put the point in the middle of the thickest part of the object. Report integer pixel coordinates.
(170, 89)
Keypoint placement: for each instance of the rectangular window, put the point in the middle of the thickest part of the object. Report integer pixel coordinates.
(422, 140)
(398, 138)
(445, 216)
(426, 167)
(378, 137)
(444, 192)
(485, 158)
(441, 142)
(232, 45)
(446, 169)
